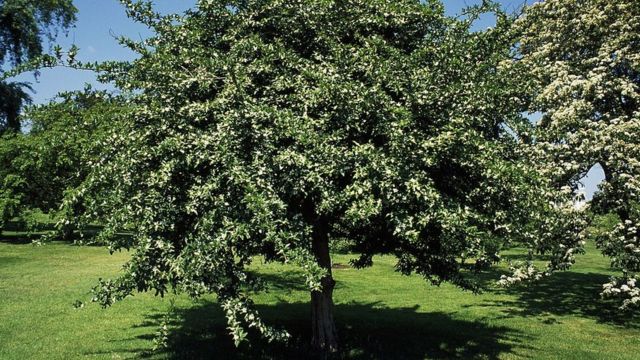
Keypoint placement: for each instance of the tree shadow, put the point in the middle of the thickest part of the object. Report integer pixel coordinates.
(14, 233)
(562, 294)
(18, 238)
(284, 282)
(18, 226)
(367, 331)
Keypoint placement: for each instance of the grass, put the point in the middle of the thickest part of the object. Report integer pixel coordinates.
(380, 314)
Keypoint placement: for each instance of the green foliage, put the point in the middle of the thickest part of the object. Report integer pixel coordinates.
(66, 138)
(602, 224)
(24, 26)
(10, 198)
(341, 246)
(14, 97)
(260, 124)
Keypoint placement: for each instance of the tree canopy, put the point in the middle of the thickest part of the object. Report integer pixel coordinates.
(38, 168)
(24, 26)
(272, 127)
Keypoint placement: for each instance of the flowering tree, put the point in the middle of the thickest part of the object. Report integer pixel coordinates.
(583, 73)
(272, 127)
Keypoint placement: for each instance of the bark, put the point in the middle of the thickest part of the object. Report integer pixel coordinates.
(607, 171)
(67, 232)
(323, 326)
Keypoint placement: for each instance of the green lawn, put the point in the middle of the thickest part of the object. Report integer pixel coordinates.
(380, 314)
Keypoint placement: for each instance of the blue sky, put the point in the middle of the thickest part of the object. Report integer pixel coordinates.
(100, 20)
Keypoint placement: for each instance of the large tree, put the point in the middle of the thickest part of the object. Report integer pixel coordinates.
(271, 127)
(582, 61)
(24, 26)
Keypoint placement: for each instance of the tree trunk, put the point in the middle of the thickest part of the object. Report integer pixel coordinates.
(323, 326)
(67, 232)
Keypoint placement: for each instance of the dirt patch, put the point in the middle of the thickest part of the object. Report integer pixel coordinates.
(339, 266)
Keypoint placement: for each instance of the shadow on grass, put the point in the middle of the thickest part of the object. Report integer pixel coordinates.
(366, 331)
(15, 233)
(18, 238)
(561, 294)
(284, 282)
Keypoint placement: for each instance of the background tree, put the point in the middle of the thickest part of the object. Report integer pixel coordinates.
(24, 26)
(271, 127)
(14, 97)
(582, 61)
(66, 137)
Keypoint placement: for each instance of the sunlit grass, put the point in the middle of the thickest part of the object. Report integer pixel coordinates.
(380, 314)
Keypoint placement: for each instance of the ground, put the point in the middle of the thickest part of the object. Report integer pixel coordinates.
(380, 314)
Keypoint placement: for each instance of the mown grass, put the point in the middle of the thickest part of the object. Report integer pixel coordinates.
(380, 314)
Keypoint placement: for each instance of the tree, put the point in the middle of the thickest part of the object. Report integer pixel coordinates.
(583, 74)
(66, 136)
(272, 127)
(14, 97)
(24, 25)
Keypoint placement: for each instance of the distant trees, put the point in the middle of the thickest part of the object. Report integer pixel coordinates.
(24, 25)
(14, 98)
(582, 61)
(66, 137)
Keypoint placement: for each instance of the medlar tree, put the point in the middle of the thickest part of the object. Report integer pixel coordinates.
(270, 127)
